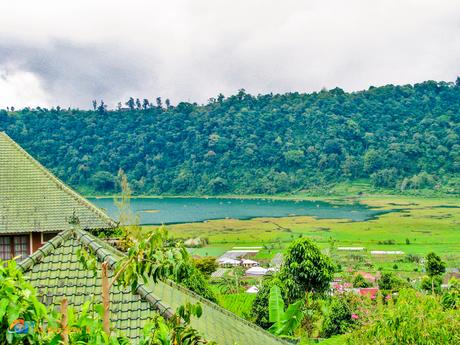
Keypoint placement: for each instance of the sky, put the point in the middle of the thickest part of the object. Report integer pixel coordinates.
(67, 53)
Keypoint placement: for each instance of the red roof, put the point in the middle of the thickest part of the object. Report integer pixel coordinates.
(372, 292)
(368, 276)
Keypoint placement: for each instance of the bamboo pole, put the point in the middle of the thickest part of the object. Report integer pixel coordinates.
(64, 327)
(105, 298)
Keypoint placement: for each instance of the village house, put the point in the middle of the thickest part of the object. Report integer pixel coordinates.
(249, 263)
(35, 205)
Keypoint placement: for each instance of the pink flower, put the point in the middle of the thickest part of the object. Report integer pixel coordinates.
(354, 316)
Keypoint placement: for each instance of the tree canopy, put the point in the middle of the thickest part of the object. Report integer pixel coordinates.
(305, 269)
(404, 137)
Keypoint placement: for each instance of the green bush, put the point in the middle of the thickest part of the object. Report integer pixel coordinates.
(390, 282)
(18, 300)
(415, 318)
(451, 298)
(337, 318)
(431, 284)
(259, 310)
(360, 282)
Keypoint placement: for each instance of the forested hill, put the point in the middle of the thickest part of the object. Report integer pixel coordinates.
(398, 136)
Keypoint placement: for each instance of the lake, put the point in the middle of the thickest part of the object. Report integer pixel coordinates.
(186, 210)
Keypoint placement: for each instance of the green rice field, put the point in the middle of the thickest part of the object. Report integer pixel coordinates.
(416, 226)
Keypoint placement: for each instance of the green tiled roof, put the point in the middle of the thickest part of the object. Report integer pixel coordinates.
(34, 200)
(56, 272)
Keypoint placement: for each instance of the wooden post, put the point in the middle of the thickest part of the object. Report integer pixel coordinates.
(64, 328)
(105, 298)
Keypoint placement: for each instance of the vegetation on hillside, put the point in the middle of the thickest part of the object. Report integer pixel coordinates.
(399, 137)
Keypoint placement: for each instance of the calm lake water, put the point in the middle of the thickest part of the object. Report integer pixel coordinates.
(186, 210)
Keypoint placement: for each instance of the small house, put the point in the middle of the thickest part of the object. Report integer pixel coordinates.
(256, 271)
(252, 289)
(249, 263)
(228, 262)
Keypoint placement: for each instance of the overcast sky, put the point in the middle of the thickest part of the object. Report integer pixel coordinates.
(55, 52)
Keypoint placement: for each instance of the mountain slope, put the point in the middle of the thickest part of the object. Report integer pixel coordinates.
(398, 136)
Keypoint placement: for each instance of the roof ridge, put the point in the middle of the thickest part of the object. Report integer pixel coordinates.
(44, 250)
(102, 252)
(106, 252)
(60, 184)
(221, 309)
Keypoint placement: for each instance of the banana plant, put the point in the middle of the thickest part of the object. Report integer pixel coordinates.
(284, 322)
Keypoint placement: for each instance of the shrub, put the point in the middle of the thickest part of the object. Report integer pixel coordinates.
(259, 310)
(431, 284)
(388, 281)
(207, 265)
(451, 298)
(345, 313)
(196, 282)
(18, 300)
(338, 318)
(415, 318)
(360, 282)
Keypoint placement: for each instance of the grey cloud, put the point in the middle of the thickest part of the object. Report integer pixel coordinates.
(74, 74)
(193, 50)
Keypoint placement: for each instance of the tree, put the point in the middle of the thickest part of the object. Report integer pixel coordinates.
(218, 185)
(373, 161)
(451, 297)
(159, 103)
(389, 281)
(103, 181)
(102, 108)
(130, 103)
(311, 141)
(434, 267)
(360, 282)
(431, 284)
(18, 299)
(196, 281)
(207, 265)
(385, 178)
(305, 269)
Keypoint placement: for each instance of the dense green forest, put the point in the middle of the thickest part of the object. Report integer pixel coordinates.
(401, 137)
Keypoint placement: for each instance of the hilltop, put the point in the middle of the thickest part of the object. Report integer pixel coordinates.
(396, 137)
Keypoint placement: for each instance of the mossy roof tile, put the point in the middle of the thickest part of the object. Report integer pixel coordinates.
(34, 200)
(56, 272)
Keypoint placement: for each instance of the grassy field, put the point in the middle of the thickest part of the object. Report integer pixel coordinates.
(427, 224)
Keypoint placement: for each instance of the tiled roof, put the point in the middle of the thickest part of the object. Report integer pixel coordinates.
(32, 199)
(56, 272)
